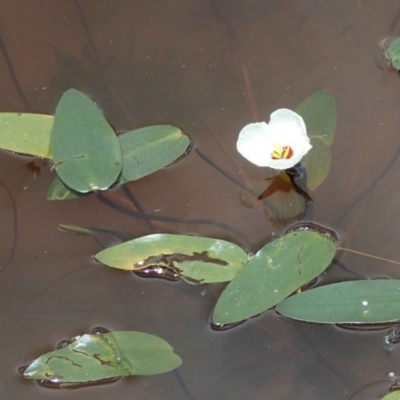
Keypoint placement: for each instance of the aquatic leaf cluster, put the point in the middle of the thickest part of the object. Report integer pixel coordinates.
(266, 279)
(87, 154)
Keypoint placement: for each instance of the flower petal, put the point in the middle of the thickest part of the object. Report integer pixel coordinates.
(258, 142)
(285, 120)
(289, 128)
(253, 143)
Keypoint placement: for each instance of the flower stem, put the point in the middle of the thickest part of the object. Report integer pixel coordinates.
(369, 255)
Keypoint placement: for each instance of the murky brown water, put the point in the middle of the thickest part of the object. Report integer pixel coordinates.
(209, 67)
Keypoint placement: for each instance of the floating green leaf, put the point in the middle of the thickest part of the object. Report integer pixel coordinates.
(319, 114)
(317, 163)
(58, 190)
(26, 133)
(276, 271)
(392, 396)
(86, 151)
(393, 53)
(149, 149)
(197, 258)
(356, 302)
(96, 357)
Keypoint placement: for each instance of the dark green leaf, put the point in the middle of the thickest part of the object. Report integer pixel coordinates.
(198, 258)
(86, 151)
(26, 133)
(149, 149)
(96, 357)
(357, 302)
(276, 271)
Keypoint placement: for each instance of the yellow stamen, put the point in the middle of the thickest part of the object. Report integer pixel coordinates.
(281, 152)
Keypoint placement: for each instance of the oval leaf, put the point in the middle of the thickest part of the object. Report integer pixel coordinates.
(319, 114)
(97, 357)
(276, 271)
(149, 149)
(86, 151)
(317, 163)
(26, 133)
(357, 302)
(202, 259)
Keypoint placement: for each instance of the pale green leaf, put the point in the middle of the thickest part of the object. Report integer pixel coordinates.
(319, 114)
(356, 302)
(317, 163)
(97, 357)
(26, 133)
(198, 258)
(392, 396)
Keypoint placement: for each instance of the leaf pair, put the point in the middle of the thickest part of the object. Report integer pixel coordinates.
(86, 152)
(283, 266)
(97, 357)
(89, 156)
(277, 270)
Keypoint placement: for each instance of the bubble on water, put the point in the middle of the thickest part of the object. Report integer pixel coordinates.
(225, 327)
(310, 226)
(21, 370)
(63, 343)
(99, 330)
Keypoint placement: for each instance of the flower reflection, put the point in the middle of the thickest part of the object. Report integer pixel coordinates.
(281, 144)
(284, 200)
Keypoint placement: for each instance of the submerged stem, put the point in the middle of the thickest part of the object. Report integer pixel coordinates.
(369, 255)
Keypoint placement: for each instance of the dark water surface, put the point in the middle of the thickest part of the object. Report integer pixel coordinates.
(209, 67)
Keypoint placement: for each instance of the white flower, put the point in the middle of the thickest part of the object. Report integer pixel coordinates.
(281, 144)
